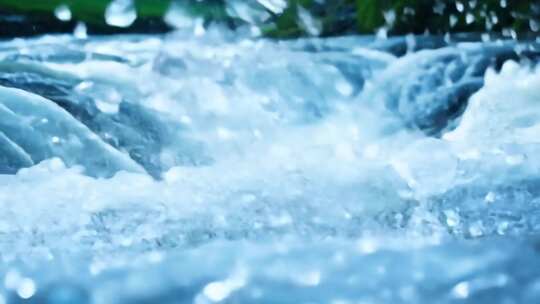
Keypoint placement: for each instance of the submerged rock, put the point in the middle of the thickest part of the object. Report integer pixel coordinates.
(43, 130)
(134, 130)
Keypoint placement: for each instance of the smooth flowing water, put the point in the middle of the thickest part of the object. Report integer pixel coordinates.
(191, 168)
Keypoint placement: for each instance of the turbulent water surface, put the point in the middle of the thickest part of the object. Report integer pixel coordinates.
(204, 169)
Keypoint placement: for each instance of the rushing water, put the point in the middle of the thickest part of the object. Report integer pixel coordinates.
(213, 168)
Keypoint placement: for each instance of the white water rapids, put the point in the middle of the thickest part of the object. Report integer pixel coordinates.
(185, 169)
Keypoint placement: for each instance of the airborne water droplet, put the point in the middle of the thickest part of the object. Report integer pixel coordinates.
(453, 20)
(63, 13)
(178, 17)
(534, 25)
(470, 18)
(460, 7)
(121, 13)
(80, 31)
(310, 24)
(452, 218)
(275, 6)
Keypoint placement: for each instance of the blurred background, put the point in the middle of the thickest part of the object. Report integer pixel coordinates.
(272, 18)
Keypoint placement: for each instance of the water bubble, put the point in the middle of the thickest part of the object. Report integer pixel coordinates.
(312, 278)
(428, 166)
(452, 218)
(26, 288)
(63, 13)
(121, 13)
(217, 291)
(502, 227)
(461, 290)
(476, 229)
(12, 279)
(367, 246)
(107, 107)
(344, 88)
(514, 160)
(490, 198)
(453, 20)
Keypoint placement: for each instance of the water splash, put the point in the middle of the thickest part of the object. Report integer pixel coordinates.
(264, 170)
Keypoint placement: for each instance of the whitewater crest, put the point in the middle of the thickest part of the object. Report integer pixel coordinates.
(319, 159)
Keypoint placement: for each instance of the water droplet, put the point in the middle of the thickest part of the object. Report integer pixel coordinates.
(461, 290)
(390, 17)
(80, 31)
(382, 33)
(121, 13)
(452, 218)
(534, 25)
(476, 229)
(12, 279)
(247, 11)
(509, 32)
(26, 288)
(224, 133)
(460, 7)
(107, 107)
(344, 88)
(469, 18)
(514, 160)
(494, 18)
(309, 23)
(502, 227)
(275, 6)
(312, 278)
(490, 198)
(199, 29)
(367, 246)
(439, 8)
(178, 17)
(63, 13)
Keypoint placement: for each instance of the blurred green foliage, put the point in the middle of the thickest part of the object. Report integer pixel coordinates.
(414, 16)
(91, 12)
(333, 16)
